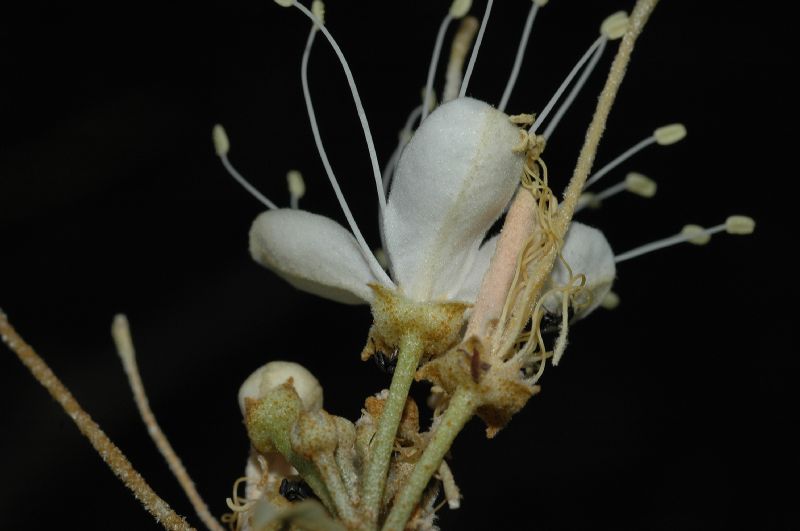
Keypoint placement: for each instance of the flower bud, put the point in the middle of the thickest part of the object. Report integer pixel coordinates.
(276, 373)
(313, 434)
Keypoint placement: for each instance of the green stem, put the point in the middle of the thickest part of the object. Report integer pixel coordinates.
(383, 442)
(461, 408)
(333, 481)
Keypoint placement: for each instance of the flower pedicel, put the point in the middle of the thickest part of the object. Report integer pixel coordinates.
(468, 312)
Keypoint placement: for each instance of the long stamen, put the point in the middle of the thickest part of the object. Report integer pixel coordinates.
(523, 44)
(474, 56)
(541, 117)
(635, 183)
(373, 156)
(663, 136)
(437, 51)
(365, 250)
(613, 27)
(222, 146)
(739, 225)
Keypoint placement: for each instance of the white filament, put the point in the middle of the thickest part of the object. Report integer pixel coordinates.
(523, 44)
(575, 90)
(565, 83)
(437, 51)
(474, 56)
(247, 186)
(377, 270)
(359, 107)
(620, 159)
(405, 136)
(668, 242)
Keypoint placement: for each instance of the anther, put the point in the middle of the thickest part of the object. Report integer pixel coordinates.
(614, 26)
(635, 183)
(641, 185)
(663, 136)
(221, 143)
(610, 301)
(740, 225)
(285, 3)
(460, 8)
(669, 134)
(318, 8)
(696, 234)
(297, 187)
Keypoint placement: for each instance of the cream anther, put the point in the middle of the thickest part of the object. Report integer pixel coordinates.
(220, 138)
(285, 3)
(459, 8)
(696, 234)
(615, 25)
(740, 225)
(318, 8)
(639, 184)
(669, 134)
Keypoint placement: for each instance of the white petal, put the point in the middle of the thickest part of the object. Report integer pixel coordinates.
(454, 179)
(586, 251)
(468, 291)
(313, 253)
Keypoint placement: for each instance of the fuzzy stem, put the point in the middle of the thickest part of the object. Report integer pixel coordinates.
(326, 464)
(107, 450)
(383, 443)
(461, 408)
(641, 13)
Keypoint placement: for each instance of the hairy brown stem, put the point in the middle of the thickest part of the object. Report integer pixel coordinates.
(107, 450)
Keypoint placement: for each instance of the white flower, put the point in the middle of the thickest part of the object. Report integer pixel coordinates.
(454, 179)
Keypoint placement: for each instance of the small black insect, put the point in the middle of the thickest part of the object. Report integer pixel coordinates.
(295, 489)
(386, 363)
(551, 322)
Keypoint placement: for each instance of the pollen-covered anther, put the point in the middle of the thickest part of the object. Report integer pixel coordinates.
(610, 301)
(296, 185)
(318, 9)
(640, 185)
(221, 143)
(285, 3)
(615, 26)
(740, 225)
(696, 234)
(669, 134)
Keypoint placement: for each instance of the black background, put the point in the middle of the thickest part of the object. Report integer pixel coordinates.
(672, 412)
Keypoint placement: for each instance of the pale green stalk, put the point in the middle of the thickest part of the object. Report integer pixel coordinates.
(383, 443)
(461, 408)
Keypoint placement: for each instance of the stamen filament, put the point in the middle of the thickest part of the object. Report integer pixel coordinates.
(474, 56)
(222, 145)
(458, 53)
(635, 183)
(541, 117)
(376, 268)
(631, 151)
(523, 44)
(575, 90)
(356, 99)
(437, 50)
(691, 234)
